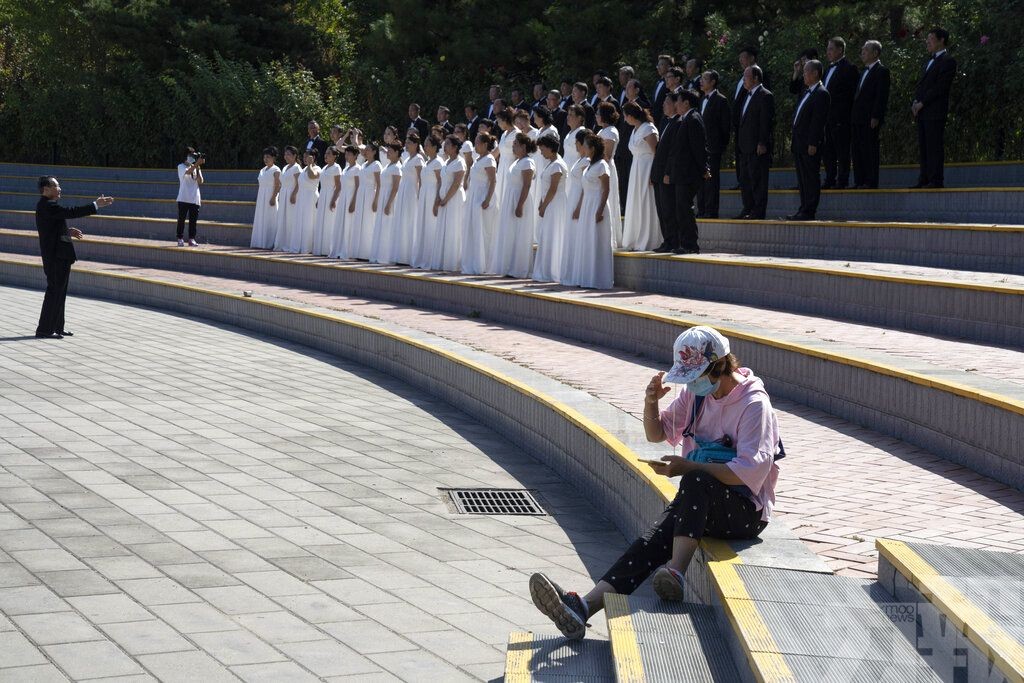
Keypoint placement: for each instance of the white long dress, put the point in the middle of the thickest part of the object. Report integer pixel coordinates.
(551, 225)
(407, 224)
(504, 162)
(346, 220)
(595, 268)
(641, 230)
(385, 228)
(427, 235)
(361, 235)
(305, 213)
(326, 217)
(447, 252)
(571, 230)
(612, 133)
(512, 249)
(287, 211)
(478, 223)
(569, 154)
(264, 222)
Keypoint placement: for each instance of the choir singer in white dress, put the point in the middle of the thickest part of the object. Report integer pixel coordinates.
(264, 222)
(361, 235)
(570, 231)
(607, 117)
(286, 212)
(451, 200)
(427, 235)
(347, 205)
(327, 205)
(305, 196)
(384, 230)
(551, 212)
(595, 265)
(512, 250)
(480, 215)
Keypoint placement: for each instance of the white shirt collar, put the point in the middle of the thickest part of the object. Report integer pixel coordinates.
(939, 53)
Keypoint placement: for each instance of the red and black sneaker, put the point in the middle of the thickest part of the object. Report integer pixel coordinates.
(566, 610)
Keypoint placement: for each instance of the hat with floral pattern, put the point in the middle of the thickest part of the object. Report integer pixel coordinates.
(694, 350)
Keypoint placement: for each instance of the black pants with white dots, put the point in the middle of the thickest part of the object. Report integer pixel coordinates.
(704, 506)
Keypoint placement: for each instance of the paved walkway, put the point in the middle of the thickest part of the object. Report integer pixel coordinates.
(842, 485)
(188, 502)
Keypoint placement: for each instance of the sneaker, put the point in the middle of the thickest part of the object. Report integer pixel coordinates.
(193, 243)
(181, 243)
(668, 584)
(566, 610)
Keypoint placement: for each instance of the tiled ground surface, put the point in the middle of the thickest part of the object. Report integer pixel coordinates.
(886, 488)
(185, 501)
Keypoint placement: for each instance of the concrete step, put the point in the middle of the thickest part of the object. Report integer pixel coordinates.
(210, 173)
(216, 210)
(955, 246)
(968, 605)
(950, 205)
(134, 227)
(971, 174)
(970, 418)
(134, 187)
(532, 657)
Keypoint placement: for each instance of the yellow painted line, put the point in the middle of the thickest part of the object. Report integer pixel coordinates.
(994, 642)
(629, 665)
(131, 199)
(963, 390)
(968, 227)
(518, 656)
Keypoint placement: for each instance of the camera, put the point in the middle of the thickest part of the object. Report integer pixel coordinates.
(198, 155)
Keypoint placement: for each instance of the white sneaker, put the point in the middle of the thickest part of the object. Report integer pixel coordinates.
(193, 243)
(181, 243)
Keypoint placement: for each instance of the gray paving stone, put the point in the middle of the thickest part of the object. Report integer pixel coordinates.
(18, 650)
(419, 665)
(186, 667)
(158, 591)
(311, 568)
(94, 659)
(368, 637)
(124, 567)
(317, 608)
(85, 547)
(237, 647)
(355, 592)
(194, 618)
(435, 600)
(276, 583)
(457, 647)
(237, 599)
(13, 574)
(77, 582)
(328, 658)
(146, 637)
(274, 673)
(43, 673)
(25, 539)
(199, 575)
(279, 627)
(29, 600)
(110, 609)
(57, 627)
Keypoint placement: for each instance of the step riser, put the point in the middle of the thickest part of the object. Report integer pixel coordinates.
(107, 226)
(996, 175)
(943, 207)
(969, 432)
(103, 173)
(228, 213)
(988, 251)
(123, 190)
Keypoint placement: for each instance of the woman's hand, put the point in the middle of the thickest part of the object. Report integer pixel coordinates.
(273, 201)
(387, 210)
(486, 204)
(293, 198)
(352, 207)
(519, 211)
(656, 390)
(599, 216)
(576, 214)
(374, 207)
(541, 210)
(671, 466)
(334, 204)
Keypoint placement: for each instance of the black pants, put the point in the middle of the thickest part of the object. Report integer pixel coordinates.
(51, 318)
(686, 223)
(665, 205)
(836, 154)
(623, 166)
(808, 179)
(703, 506)
(711, 188)
(866, 154)
(754, 183)
(930, 139)
(192, 211)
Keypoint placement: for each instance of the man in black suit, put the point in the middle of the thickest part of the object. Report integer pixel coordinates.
(418, 122)
(443, 114)
(58, 252)
(540, 95)
(516, 100)
(665, 62)
(315, 142)
(686, 170)
(714, 110)
(554, 99)
(809, 123)
(472, 121)
(664, 193)
(579, 98)
(869, 105)
(754, 141)
(931, 106)
(625, 75)
(747, 58)
(565, 90)
(493, 93)
(841, 82)
(693, 74)
(604, 94)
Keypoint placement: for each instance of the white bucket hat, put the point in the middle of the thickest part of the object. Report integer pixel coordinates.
(694, 350)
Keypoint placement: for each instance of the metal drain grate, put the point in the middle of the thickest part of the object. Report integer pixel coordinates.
(494, 502)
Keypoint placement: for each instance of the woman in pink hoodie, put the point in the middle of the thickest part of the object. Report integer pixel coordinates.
(725, 422)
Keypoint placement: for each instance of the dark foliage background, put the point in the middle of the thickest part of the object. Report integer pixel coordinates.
(130, 82)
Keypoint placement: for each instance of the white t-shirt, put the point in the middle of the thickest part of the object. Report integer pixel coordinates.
(188, 188)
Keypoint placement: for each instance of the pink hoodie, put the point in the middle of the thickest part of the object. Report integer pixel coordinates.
(746, 415)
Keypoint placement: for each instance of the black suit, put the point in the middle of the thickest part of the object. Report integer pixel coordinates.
(933, 92)
(658, 109)
(421, 126)
(473, 125)
(809, 123)
(755, 128)
(717, 125)
(739, 97)
(58, 252)
(320, 145)
(448, 127)
(688, 160)
(664, 195)
(869, 102)
(841, 82)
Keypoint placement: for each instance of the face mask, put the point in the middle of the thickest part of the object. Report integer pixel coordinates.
(702, 386)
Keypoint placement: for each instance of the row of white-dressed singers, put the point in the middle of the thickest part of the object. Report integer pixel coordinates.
(419, 205)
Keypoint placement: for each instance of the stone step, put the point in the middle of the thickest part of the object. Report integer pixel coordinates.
(133, 187)
(216, 210)
(971, 174)
(134, 227)
(210, 173)
(950, 205)
(967, 603)
(533, 657)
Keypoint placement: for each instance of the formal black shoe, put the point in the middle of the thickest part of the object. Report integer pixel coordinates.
(51, 335)
(799, 217)
(663, 249)
(679, 250)
(65, 333)
(691, 250)
(741, 217)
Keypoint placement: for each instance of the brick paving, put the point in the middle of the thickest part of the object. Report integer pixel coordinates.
(886, 488)
(186, 501)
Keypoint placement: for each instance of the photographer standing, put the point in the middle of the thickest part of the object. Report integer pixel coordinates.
(190, 177)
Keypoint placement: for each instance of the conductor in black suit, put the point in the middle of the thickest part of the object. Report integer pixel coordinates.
(714, 110)
(754, 140)
(418, 122)
(687, 169)
(809, 123)
(930, 107)
(841, 82)
(58, 252)
(869, 105)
